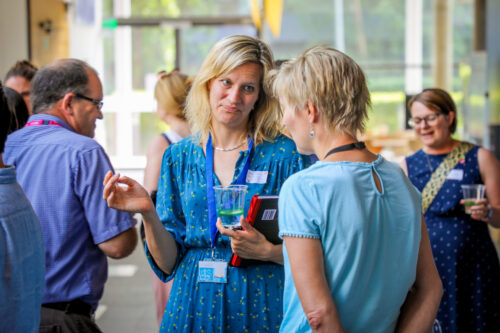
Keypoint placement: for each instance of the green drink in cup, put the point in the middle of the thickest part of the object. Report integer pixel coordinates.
(230, 201)
(472, 193)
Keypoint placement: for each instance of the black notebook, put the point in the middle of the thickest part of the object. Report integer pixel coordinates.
(263, 216)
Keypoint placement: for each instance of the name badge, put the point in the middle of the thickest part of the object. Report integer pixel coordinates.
(256, 177)
(456, 174)
(212, 271)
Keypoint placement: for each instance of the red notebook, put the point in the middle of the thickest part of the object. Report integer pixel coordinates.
(263, 216)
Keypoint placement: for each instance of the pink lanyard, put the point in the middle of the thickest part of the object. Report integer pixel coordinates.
(42, 122)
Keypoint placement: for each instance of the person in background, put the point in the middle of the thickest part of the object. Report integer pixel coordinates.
(19, 78)
(357, 254)
(60, 167)
(170, 94)
(17, 107)
(463, 250)
(22, 263)
(236, 140)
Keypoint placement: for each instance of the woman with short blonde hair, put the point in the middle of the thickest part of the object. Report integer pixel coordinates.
(356, 251)
(310, 77)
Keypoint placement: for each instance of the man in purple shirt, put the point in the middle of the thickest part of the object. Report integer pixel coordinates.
(60, 167)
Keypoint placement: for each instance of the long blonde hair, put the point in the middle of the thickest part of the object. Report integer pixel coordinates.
(226, 55)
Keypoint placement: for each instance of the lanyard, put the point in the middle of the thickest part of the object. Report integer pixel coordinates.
(349, 146)
(42, 122)
(212, 213)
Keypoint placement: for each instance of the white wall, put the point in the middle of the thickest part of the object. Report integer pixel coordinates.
(13, 33)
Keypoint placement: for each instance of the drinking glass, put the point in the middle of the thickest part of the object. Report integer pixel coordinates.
(472, 193)
(230, 201)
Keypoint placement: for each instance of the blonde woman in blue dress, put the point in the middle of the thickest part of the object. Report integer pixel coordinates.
(357, 253)
(237, 124)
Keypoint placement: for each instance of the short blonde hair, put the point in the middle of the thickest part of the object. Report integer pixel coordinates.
(171, 91)
(332, 81)
(226, 55)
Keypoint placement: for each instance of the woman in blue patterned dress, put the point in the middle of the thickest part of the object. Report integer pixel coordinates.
(230, 112)
(463, 251)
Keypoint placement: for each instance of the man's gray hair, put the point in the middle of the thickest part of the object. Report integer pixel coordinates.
(54, 80)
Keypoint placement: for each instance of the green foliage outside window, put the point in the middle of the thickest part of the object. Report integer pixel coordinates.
(374, 34)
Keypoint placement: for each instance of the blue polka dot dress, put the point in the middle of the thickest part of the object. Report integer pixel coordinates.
(251, 300)
(462, 247)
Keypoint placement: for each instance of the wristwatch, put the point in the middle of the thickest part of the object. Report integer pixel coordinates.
(490, 214)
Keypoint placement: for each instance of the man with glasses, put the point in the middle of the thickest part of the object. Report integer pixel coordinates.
(60, 167)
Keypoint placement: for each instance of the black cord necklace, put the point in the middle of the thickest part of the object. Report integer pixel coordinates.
(349, 146)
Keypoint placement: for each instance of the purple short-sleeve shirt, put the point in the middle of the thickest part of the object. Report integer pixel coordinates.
(61, 173)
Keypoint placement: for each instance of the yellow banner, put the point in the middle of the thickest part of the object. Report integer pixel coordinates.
(273, 10)
(255, 11)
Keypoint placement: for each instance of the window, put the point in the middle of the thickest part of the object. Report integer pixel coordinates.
(372, 32)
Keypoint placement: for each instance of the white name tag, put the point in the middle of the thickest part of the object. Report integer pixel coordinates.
(456, 174)
(269, 214)
(256, 177)
(212, 271)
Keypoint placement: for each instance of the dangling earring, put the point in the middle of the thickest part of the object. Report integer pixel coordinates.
(311, 132)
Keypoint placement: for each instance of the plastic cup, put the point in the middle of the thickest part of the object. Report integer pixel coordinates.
(472, 193)
(230, 202)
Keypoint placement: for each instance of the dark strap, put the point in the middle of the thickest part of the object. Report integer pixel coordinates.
(349, 146)
(76, 306)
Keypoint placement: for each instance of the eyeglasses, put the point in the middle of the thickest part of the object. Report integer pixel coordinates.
(97, 102)
(430, 120)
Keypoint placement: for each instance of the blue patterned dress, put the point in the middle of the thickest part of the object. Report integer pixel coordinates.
(251, 300)
(463, 251)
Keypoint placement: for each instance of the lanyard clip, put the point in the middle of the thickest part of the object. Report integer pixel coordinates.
(213, 253)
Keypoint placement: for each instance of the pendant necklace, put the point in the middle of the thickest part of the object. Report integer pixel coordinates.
(349, 146)
(232, 148)
(429, 162)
